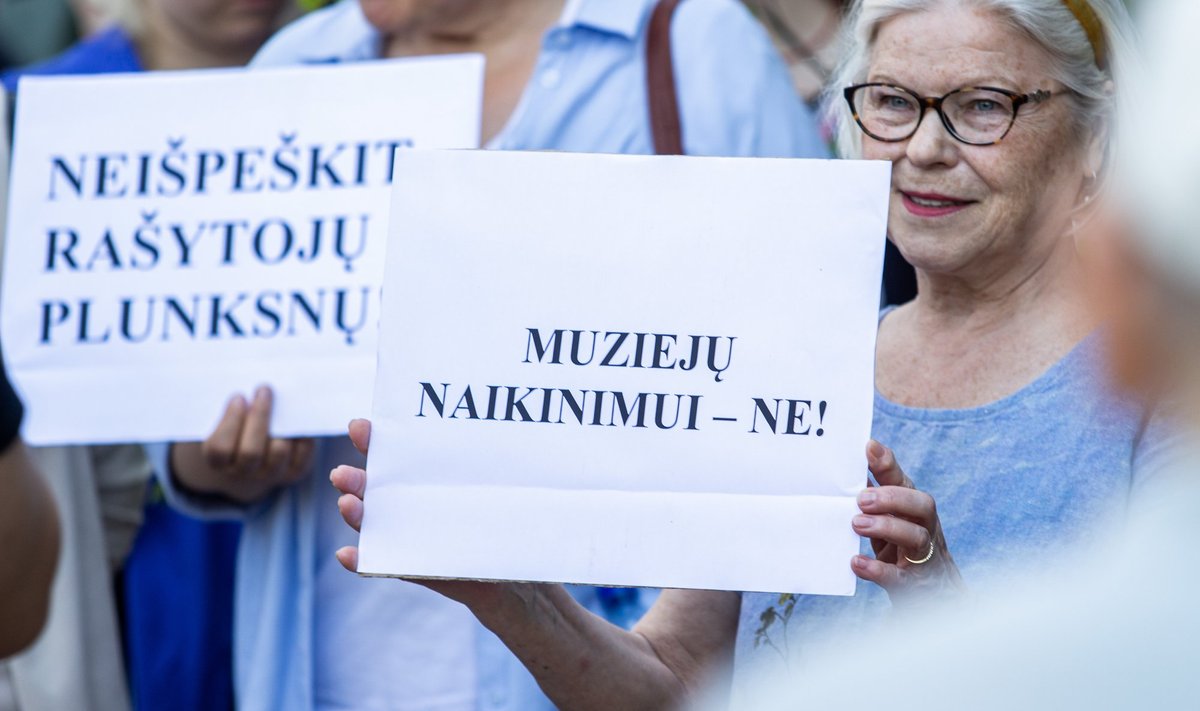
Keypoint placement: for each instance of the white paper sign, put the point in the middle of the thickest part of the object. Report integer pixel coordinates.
(178, 237)
(619, 370)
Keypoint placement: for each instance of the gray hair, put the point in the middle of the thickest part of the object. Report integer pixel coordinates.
(1047, 22)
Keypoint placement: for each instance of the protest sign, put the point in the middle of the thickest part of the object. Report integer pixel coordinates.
(625, 370)
(175, 238)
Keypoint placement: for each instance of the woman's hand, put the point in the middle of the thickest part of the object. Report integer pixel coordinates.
(580, 660)
(911, 559)
(240, 460)
(352, 483)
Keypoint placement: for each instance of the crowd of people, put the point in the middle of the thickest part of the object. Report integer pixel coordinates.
(1038, 387)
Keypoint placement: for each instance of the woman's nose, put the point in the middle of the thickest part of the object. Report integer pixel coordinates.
(932, 143)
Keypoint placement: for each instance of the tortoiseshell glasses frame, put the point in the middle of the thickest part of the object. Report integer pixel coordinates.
(975, 115)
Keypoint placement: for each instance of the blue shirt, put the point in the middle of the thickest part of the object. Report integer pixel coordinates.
(106, 52)
(1013, 480)
(588, 90)
(311, 636)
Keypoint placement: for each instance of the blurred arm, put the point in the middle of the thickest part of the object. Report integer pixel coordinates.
(30, 536)
(682, 647)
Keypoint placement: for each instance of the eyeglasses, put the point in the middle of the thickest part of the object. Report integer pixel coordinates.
(975, 115)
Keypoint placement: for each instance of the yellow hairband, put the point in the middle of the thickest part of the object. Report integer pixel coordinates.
(1083, 12)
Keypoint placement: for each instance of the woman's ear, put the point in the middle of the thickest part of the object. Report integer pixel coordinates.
(1096, 155)
(1092, 165)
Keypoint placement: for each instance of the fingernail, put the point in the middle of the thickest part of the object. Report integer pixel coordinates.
(866, 497)
(862, 521)
(858, 561)
(875, 449)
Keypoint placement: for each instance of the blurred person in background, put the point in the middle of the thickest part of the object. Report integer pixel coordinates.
(995, 115)
(28, 532)
(175, 573)
(809, 34)
(560, 75)
(1114, 625)
(149, 35)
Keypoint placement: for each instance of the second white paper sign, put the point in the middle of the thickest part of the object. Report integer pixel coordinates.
(177, 237)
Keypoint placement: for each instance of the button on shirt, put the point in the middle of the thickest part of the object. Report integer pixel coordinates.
(310, 636)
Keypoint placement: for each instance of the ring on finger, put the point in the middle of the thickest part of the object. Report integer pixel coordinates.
(926, 559)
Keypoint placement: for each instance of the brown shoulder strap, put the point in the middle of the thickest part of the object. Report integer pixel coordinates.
(660, 82)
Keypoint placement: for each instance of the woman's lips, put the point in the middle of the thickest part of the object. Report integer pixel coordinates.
(931, 204)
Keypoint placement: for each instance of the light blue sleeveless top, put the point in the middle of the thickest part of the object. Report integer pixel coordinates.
(1012, 480)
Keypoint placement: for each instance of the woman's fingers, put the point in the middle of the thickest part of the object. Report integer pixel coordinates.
(885, 575)
(221, 446)
(902, 523)
(882, 463)
(349, 480)
(351, 509)
(899, 501)
(905, 535)
(301, 458)
(348, 557)
(279, 454)
(256, 434)
(360, 434)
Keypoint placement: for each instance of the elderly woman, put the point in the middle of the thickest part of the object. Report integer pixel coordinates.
(994, 114)
(1114, 626)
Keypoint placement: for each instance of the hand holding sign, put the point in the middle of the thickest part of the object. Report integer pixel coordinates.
(912, 560)
(240, 459)
(352, 483)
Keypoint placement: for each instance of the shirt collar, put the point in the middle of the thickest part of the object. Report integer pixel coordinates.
(362, 41)
(620, 17)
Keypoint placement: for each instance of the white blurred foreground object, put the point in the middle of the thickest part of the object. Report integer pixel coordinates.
(1160, 171)
(625, 370)
(1115, 628)
(176, 237)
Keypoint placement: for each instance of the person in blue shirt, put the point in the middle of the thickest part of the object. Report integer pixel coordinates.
(560, 76)
(170, 34)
